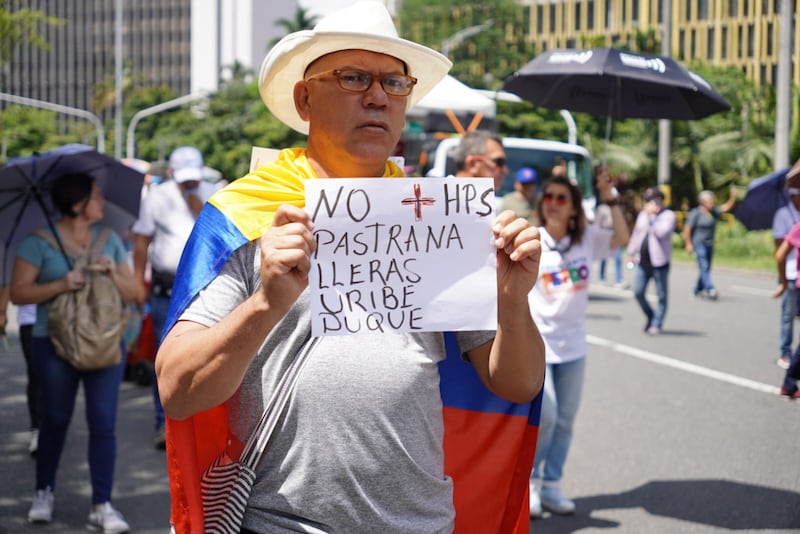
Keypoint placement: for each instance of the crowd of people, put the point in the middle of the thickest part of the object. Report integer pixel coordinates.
(231, 297)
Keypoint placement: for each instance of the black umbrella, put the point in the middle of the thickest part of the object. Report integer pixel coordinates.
(765, 196)
(615, 84)
(25, 184)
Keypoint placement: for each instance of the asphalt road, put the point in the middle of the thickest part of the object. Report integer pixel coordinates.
(680, 433)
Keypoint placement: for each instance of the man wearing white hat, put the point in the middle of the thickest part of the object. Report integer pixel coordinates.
(359, 446)
(165, 221)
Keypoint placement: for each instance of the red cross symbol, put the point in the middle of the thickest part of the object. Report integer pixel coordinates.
(418, 201)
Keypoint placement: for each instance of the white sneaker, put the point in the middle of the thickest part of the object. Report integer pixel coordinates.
(535, 501)
(555, 501)
(33, 446)
(106, 519)
(42, 508)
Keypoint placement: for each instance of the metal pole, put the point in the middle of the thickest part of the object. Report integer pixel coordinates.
(118, 82)
(461, 35)
(169, 104)
(94, 119)
(665, 126)
(783, 87)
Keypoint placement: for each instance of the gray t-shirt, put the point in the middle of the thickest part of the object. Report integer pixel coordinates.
(359, 448)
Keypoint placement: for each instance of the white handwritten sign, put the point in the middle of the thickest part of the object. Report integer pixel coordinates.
(402, 255)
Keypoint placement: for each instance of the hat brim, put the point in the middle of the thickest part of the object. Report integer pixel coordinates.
(190, 174)
(286, 64)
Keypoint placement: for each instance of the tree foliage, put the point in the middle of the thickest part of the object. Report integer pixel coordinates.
(725, 149)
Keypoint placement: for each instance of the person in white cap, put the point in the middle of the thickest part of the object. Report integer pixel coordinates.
(166, 217)
(359, 445)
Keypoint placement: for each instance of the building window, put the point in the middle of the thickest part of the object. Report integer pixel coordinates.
(770, 39)
(660, 8)
(733, 8)
(710, 36)
(751, 40)
(635, 13)
(682, 44)
(577, 16)
(723, 52)
(688, 7)
(702, 10)
(539, 20)
(590, 15)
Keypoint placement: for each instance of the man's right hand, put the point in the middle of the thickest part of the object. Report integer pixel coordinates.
(286, 250)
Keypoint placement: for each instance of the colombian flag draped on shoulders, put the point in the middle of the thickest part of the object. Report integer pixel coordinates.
(489, 443)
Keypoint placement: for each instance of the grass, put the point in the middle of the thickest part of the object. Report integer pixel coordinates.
(735, 247)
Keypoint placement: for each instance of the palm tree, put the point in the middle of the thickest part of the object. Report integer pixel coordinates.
(301, 21)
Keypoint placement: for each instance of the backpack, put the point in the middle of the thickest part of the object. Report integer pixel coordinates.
(86, 326)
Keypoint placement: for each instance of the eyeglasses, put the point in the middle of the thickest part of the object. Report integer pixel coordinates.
(358, 81)
(497, 162)
(561, 200)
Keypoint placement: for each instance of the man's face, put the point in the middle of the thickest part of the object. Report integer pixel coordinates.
(491, 163)
(347, 127)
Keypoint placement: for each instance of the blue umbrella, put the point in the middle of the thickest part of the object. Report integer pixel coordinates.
(25, 203)
(764, 197)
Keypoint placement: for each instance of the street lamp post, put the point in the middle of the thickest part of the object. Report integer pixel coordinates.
(94, 119)
(169, 104)
(461, 35)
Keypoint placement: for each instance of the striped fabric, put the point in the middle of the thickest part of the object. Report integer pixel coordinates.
(226, 487)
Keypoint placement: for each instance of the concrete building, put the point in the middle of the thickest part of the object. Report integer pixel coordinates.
(187, 45)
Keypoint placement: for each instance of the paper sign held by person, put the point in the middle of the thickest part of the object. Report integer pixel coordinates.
(402, 255)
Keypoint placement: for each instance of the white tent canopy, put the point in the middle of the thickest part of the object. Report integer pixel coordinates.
(452, 95)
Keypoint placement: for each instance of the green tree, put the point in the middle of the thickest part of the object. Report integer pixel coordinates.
(483, 60)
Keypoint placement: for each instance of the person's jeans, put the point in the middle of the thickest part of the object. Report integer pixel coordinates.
(704, 254)
(788, 313)
(159, 306)
(33, 391)
(793, 372)
(617, 266)
(563, 386)
(59, 381)
(660, 276)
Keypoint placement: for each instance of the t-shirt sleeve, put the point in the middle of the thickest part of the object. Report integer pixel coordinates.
(145, 224)
(31, 249)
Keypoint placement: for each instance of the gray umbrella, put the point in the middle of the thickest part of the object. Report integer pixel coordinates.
(25, 203)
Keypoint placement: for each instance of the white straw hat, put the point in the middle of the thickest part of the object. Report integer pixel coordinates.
(364, 25)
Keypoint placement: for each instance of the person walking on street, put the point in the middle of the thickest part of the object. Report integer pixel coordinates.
(698, 236)
(558, 303)
(165, 221)
(650, 247)
(26, 318)
(347, 83)
(791, 240)
(786, 217)
(41, 272)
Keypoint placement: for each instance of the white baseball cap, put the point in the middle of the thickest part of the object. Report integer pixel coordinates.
(186, 163)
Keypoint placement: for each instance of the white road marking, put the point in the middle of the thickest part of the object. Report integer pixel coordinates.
(754, 290)
(683, 366)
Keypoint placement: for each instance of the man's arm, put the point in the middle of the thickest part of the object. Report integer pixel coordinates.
(141, 244)
(782, 249)
(512, 365)
(200, 367)
(728, 206)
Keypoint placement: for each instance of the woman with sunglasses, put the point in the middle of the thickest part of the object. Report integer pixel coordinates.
(558, 303)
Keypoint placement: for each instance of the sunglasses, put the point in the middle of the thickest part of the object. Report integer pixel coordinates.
(497, 162)
(358, 81)
(561, 200)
